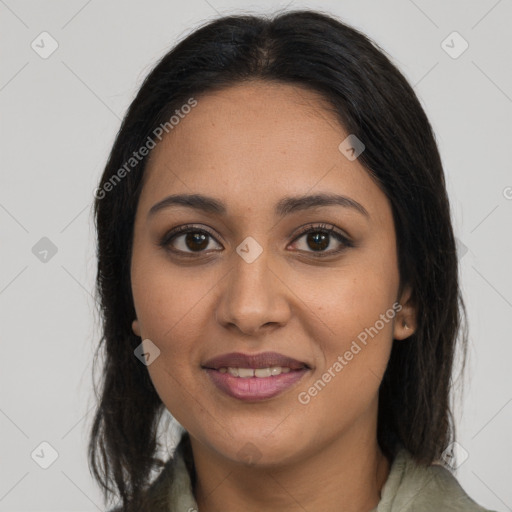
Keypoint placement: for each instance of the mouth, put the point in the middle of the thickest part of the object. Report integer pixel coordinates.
(260, 361)
(254, 377)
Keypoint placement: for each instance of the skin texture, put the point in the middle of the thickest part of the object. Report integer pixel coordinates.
(249, 146)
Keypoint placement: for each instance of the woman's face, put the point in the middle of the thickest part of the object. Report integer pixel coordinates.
(246, 279)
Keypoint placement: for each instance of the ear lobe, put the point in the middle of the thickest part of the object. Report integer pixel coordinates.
(136, 327)
(406, 319)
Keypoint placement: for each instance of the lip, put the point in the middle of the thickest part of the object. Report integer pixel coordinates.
(262, 360)
(254, 389)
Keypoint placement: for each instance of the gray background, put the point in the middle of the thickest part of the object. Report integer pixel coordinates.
(59, 116)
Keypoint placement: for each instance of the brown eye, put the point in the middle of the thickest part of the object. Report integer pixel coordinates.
(187, 240)
(318, 241)
(319, 238)
(196, 241)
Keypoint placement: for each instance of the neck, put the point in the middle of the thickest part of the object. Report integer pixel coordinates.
(345, 474)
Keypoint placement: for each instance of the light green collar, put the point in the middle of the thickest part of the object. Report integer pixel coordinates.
(409, 487)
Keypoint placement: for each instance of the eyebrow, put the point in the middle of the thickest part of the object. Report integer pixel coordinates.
(284, 206)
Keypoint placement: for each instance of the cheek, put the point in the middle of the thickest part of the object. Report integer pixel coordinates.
(352, 359)
(168, 299)
(168, 304)
(350, 299)
(356, 307)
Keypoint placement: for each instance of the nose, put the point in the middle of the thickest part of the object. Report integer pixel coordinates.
(253, 297)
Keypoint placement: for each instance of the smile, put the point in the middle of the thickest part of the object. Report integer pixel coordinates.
(245, 373)
(254, 377)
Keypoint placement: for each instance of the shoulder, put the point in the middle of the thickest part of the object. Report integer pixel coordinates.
(412, 487)
(156, 497)
(172, 489)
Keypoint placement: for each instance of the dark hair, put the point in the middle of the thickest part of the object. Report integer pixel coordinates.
(373, 101)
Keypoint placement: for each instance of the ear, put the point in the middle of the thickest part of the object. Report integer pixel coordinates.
(136, 327)
(406, 319)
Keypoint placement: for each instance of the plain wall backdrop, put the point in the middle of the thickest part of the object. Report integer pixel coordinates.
(69, 71)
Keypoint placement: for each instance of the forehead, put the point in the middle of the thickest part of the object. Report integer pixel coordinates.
(253, 143)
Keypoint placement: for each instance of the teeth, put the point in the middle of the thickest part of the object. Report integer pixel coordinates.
(246, 373)
(263, 372)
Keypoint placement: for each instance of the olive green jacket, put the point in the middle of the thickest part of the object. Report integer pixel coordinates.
(409, 487)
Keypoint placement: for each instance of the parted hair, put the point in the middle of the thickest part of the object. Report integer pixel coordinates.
(373, 101)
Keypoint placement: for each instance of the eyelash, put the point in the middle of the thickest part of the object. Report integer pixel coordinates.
(322, 228)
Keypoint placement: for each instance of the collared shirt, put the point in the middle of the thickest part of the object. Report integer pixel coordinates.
(410, 487)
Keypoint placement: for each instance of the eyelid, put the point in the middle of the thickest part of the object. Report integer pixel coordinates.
(323, 226)
(183, 230)
(343, 239)
(330, 229)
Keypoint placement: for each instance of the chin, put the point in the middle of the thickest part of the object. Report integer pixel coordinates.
(257, 446)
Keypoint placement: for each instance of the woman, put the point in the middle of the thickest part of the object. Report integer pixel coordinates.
(277, 269)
